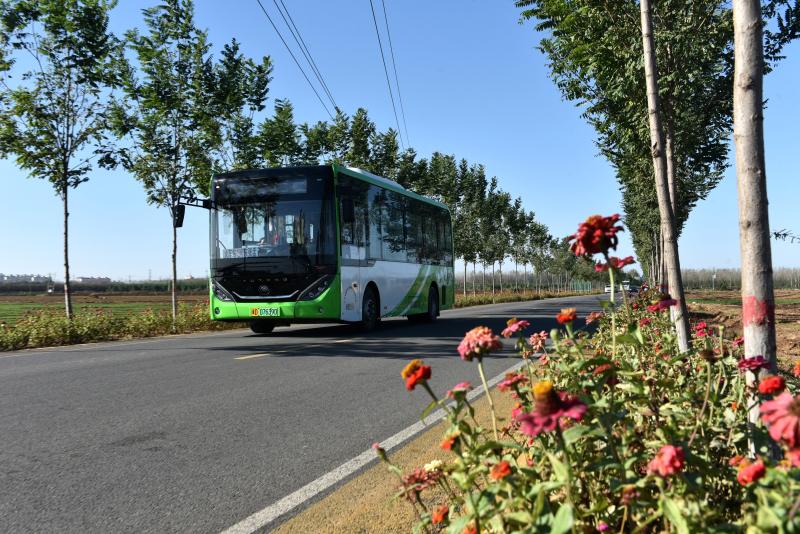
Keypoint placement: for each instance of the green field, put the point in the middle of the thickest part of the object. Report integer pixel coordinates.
(11, 312)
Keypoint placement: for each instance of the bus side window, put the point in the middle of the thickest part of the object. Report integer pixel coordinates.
(394, 246)
(375, 239)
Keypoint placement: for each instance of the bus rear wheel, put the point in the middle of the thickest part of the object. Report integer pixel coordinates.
(370, 311)
(262, 327)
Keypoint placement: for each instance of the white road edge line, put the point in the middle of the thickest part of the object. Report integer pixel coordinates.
(272, 512)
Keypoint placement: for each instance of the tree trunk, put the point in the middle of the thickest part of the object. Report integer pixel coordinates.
(671, 181)
(672, 260)
(174, 295)
(67, 289)
(501, 277)
(758, 301)
(493, 281)
(474, 267)
(465, 277)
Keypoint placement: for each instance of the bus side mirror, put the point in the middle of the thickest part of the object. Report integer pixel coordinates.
(348, 210)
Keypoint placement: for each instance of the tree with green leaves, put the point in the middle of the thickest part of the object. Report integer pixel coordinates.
(384, 157)
(279, 137)
(167, 111)
(54, 114)
(238, 87)
(361, 131)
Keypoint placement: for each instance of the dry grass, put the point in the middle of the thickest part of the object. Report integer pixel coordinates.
(365, 504)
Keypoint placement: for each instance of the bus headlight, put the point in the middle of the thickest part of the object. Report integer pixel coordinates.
(221, 293)
(316, 289)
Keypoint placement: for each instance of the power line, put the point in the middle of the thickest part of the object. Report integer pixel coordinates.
(394, 67)
(298, 38)
(274, 27)
(386, 71)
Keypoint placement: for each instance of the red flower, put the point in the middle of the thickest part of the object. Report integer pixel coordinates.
(667, 461)
(750, 472)
(567, 315)
(596, 234)
(662, 305)
(478, 342)
(414, 373)
(796, 369)
(440, 515)
(736, 460)
(753, 363)
(794, 457)
(549, 409)
(470, 529)
(771, 385)
(600, 267)
(500, 470)
(514, 326)
(782, 416)
(644, 321)
(618, 263)
(511, 380)
(738, 342)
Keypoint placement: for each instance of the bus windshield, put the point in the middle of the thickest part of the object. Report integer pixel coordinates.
(258, 218)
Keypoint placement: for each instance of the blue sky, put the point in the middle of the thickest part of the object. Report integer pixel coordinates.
(473, 84)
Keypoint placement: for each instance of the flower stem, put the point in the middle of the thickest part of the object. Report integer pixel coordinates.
(489, 398)
(613, 311)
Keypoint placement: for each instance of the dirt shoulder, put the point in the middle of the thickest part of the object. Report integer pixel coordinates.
(366, 504)
(724, 307)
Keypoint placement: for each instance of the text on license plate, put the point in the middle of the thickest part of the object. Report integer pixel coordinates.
(265, 312)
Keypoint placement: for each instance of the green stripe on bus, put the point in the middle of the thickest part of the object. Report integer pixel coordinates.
(408, 299)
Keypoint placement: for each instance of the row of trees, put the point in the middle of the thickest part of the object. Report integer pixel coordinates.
(656, 81)
(157, 103)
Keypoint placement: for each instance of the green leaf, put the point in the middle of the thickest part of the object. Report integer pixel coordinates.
(559, 468)
(673, 514)
(563, 520)
(428, 409)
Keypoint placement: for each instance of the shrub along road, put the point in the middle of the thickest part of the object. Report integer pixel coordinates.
(195, 433)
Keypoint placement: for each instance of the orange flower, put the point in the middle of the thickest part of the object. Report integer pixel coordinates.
(449, 440)
(771, 385)
(567, 315)
(440, 515)
(500, 470)
(470, 529)
(415, 372)
(796, 369)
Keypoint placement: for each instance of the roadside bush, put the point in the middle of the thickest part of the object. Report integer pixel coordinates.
(47, 328)
(617, 431)
(464, 301)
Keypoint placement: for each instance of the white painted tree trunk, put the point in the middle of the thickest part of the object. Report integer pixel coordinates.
(671, 258)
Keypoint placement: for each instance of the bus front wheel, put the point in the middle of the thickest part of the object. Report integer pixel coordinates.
(262, 327)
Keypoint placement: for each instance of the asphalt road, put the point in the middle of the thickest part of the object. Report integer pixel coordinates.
(176, 434)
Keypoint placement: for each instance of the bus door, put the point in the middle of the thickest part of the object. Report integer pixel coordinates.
(353, 212)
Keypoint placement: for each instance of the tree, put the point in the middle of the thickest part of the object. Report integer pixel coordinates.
(238, 89)
(167, 111)
(279, 137)
(758, 301)
(361, 131)
(54, 120)
(384, 154)
(680, 317)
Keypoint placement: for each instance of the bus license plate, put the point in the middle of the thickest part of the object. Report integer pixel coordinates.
(265, 312)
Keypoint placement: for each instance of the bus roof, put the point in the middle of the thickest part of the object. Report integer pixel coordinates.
(386, 183)
(350, 171)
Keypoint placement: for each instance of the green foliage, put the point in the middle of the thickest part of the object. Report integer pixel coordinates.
(46, 328)
(616, 431)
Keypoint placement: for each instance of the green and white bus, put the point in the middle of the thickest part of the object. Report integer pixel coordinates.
(326, 244)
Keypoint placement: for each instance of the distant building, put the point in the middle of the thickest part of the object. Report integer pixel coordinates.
(20, 278)
(97, 280)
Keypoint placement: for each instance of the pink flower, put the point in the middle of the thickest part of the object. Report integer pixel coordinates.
(644, 321)
(459, 390)
(596, 234)
(511, 380)
(753, 363)
(478, 342)
(592, 317)
(549, 409)
(602, 526)
(782, 416)
(538, 341)
(514, 326)
(600, 267)
(667, 461)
